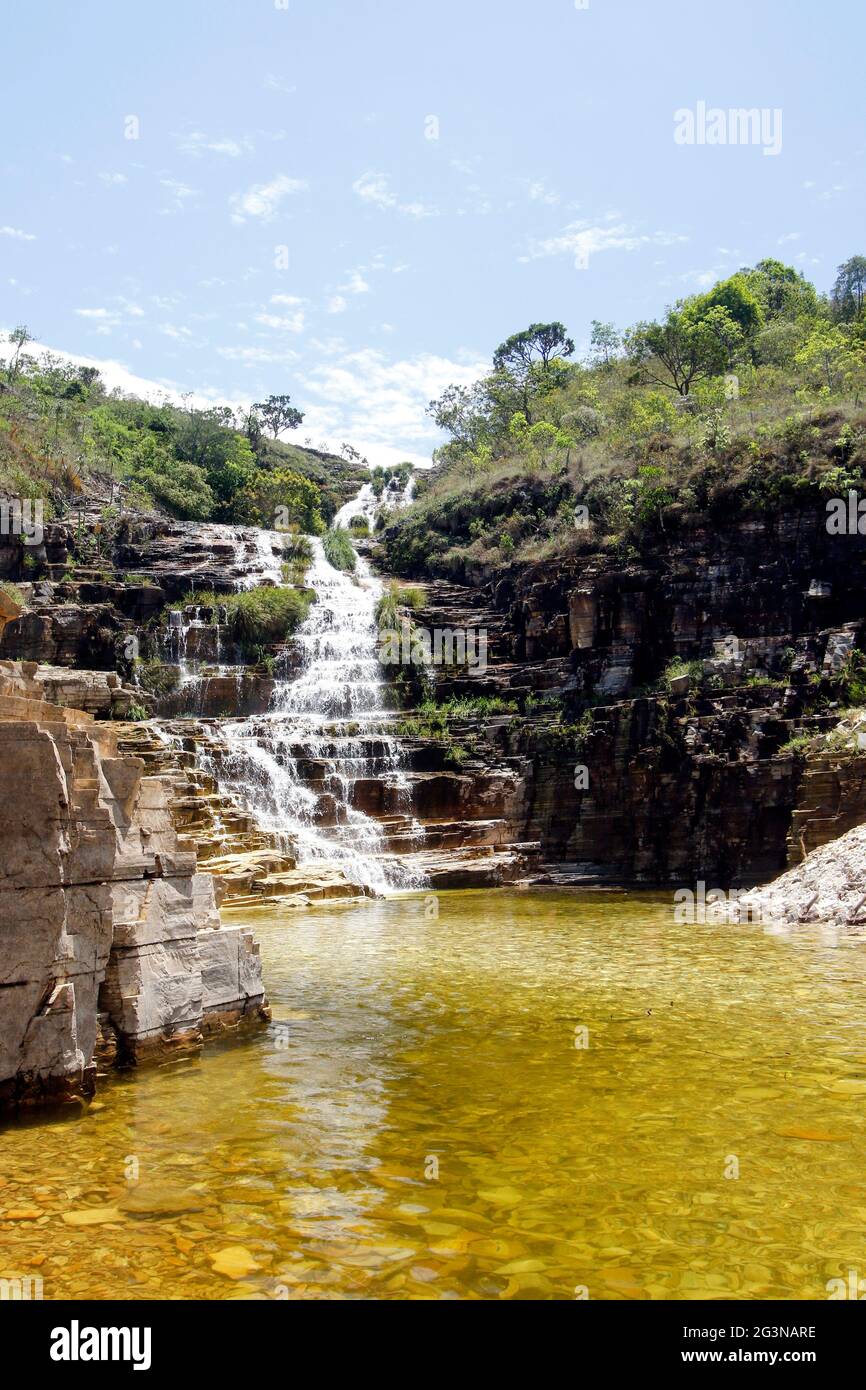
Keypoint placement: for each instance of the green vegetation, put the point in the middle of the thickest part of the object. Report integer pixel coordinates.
(339, 550)
(394, 601)
(432, 720)
(299, 557)
(155, 676)
(260, 617)
(678, 668)
(61, 430)
(12, 591)
(739, 401)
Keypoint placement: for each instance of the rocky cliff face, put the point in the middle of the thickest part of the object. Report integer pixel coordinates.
(623, 776)
(111, 946)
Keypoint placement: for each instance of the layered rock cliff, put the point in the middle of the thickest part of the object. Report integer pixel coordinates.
(111, 947)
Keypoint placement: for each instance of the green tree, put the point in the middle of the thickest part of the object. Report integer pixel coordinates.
(674, 353)
(279, 414)
(782, 291)
(849, 289)
(828, 357)
(18, 340)
(534, 360)
(738, 301)
(604, 344)
(281, 500)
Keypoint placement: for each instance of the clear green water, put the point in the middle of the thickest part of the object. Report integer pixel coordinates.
(402, 1043)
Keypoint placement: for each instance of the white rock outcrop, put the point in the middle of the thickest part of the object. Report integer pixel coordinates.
(829, 886)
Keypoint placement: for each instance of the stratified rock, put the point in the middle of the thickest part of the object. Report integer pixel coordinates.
(110, 941)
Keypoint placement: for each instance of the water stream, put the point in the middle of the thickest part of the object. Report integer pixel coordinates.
(297, 768)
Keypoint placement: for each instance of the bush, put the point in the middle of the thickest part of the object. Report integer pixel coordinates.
(339, 550)
(155, 677)
(258, 617)
(299, 557)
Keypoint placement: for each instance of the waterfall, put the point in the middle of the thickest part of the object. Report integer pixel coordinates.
(297, 769)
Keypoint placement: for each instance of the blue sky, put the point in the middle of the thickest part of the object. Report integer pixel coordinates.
(554, 187)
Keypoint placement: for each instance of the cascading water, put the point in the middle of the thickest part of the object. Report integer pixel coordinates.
(297, 768)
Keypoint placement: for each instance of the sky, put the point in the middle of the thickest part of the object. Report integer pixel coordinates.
(355, 201)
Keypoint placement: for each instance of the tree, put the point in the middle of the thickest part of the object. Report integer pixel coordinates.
(253, 428)
(18, 339)
(675, 353)
(827, 357)
(736, 298)
(726, 331)
(207, 438)
(280, 500)
(849, 290)
(534, 360)
(604, 343)
(279, 414)
(782, 291)
(459, 412)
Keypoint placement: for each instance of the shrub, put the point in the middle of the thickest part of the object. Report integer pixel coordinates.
(299, 557)
(339, 550)
(258, 617)
(155, 677)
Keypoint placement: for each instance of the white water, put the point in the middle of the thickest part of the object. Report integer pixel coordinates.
(335, 710)
(367, 505)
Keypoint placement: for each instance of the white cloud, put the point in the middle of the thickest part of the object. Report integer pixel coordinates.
(356, 284)
(289, 300)
(180, 192)
(371, 400)
(276, 84)
(375, 189)
(540, 193)
(286, 323)
(197, 143)
(17, 234)
(789, 236)
(113, 178)
(263, 199)
(337, 304)
(585, 239)
(254, 356)
(95, 313)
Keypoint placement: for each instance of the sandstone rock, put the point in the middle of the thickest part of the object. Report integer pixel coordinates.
(110, 941)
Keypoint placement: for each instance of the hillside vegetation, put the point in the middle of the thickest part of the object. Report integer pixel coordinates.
(63, 435)
(747, 398)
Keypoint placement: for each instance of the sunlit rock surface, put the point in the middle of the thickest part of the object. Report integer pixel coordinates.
(109, 938)
(829, 886)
